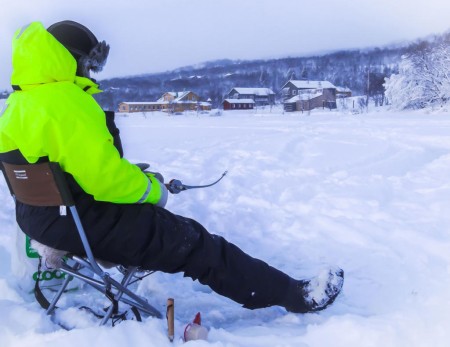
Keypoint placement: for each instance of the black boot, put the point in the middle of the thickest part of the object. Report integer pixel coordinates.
(315, 294)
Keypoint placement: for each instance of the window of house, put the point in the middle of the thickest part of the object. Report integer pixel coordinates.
(294, 92)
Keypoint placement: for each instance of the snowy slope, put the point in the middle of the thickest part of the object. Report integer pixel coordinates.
(368, 192)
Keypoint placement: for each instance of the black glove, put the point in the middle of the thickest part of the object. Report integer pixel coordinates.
(142, 166)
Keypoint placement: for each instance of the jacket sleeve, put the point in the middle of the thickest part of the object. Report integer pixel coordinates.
(81, 143)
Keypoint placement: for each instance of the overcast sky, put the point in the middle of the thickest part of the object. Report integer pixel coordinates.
(159, 35)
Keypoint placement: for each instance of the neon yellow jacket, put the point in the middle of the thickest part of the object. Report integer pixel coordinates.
(54, 115)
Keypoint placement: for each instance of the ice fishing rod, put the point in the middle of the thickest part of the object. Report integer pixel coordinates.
(175, 186)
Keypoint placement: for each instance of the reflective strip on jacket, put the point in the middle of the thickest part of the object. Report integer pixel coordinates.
(52, 114)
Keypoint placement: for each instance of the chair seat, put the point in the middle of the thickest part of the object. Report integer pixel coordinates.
(53, 257)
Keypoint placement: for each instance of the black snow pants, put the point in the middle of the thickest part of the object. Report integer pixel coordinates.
(156, 239)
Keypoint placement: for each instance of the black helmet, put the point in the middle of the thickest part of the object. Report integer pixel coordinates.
(89, 53)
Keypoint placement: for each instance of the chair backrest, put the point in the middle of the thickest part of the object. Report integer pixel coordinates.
(41, 184)
(44, 184)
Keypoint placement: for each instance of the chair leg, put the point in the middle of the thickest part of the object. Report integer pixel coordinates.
(108, 313)
(61, 290)
(137, 301)
(113, 290)
(122, 288)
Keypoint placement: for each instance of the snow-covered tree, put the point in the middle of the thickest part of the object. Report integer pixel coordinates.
(423, 79)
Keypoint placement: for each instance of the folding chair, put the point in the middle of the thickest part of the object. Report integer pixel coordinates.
(44, 184)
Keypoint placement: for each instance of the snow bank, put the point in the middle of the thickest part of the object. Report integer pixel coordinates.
(369, 193)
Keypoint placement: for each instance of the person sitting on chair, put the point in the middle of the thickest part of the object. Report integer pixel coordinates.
(52, 116)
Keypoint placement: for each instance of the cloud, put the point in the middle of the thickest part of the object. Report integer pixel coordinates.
(150, 36)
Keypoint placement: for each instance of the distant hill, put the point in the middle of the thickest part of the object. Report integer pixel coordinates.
(347, 68)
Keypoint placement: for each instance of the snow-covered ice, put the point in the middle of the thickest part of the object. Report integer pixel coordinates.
(369, 193)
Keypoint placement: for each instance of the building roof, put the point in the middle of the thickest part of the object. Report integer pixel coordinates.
(298, 98)
(142, 102)
(177, 95)
(343, 89)
(240, 101)
(303, 97)
(254, 91)
(300, 84)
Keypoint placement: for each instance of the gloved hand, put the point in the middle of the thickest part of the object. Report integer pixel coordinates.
(142, 166)
(157, 175)
(160, 179)
(145, 166)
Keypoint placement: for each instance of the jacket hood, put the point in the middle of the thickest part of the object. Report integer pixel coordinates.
(38, 58)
